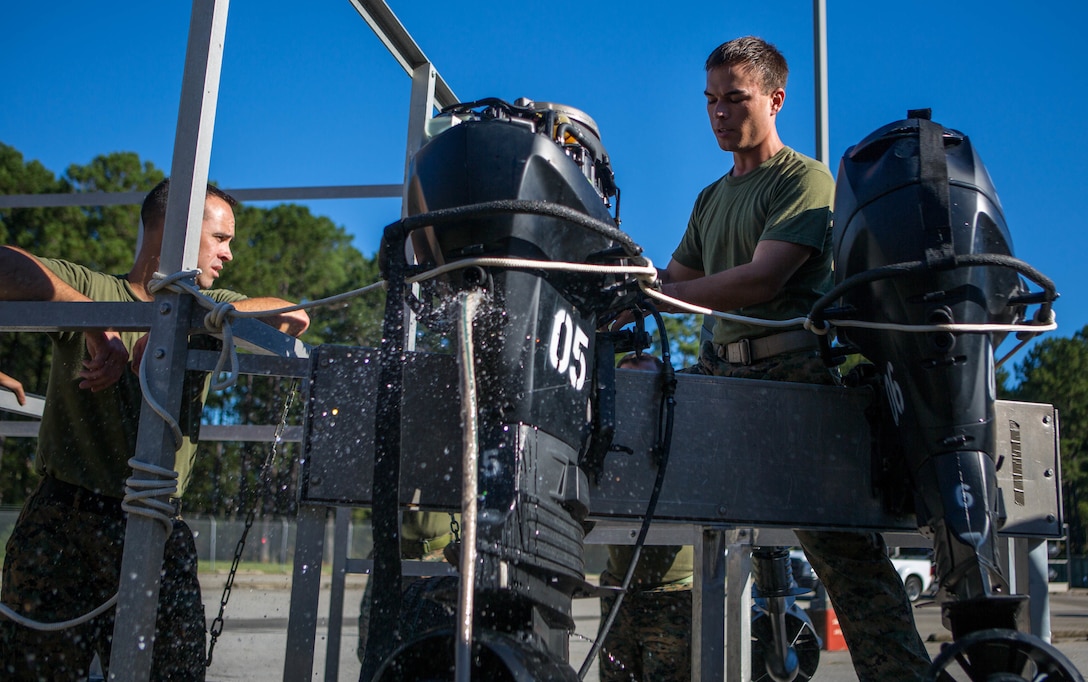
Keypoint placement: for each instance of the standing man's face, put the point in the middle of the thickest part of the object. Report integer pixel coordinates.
(741, 115)
(215, 237)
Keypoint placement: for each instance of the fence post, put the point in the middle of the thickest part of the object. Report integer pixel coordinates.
(214, 533)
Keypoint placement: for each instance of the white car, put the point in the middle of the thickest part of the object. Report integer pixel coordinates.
(915, 569)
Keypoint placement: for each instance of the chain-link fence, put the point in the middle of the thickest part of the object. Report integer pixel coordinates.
(271, 541)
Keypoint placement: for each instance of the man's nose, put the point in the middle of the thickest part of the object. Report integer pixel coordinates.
(226, 254)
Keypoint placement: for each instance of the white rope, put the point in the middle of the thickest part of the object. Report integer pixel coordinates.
(962, 328)
(807, 322)
(157, 408)
(149, 497)
(647, 276)
(18, 618)
(647, 271)
(220, 314)
(217, 320)
(470, 444)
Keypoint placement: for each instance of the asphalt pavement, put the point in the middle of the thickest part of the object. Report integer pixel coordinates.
(254, 636)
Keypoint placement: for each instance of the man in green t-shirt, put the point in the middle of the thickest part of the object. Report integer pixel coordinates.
(64, 555)
(758, 244)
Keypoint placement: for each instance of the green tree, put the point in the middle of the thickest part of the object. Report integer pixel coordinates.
(49, 231)
(108, 239)
(683, 332)
(1055, 371)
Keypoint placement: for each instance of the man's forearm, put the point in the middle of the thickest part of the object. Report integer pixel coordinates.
(24, 278)
(294, 322)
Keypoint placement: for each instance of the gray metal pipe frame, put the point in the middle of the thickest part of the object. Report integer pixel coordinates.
(145, 537)
(400, 44)
(256, 194)
(819, 29)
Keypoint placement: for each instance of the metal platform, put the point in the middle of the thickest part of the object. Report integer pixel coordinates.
(750, 460)
(744, 452)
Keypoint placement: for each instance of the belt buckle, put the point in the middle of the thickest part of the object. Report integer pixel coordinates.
(739, 352)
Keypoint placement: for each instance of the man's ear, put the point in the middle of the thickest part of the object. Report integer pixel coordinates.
(777, 98)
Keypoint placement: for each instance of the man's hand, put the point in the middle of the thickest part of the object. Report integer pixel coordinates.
(107, 362)
(15, 386)
(626, 317)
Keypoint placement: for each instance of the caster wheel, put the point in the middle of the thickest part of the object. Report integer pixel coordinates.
(1001, 656)
(802, 639)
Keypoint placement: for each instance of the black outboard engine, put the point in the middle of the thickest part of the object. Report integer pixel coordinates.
(920, 240)
(525, 181)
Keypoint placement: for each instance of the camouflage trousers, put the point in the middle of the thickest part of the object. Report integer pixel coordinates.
(650, 640)
(63, 562)
(865, 591)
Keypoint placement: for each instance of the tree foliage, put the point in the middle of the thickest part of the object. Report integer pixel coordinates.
(683, 332)
(1055, 371)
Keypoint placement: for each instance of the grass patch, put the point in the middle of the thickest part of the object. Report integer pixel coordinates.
(252, 567)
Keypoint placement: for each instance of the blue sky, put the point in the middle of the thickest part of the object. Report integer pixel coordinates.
(309, 96)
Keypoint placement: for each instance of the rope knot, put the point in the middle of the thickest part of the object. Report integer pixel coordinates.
(218, 316)
(160, 281)
(820, 328)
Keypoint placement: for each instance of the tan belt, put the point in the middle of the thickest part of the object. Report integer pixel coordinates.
(414, 549)
(747, 351)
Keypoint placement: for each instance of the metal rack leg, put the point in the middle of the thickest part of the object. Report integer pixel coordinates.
(708, 606)
(305, 591)
(738, 607)
(336, 593)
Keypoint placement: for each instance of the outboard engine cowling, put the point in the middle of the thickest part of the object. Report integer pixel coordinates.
(516, 185)
(915, 204)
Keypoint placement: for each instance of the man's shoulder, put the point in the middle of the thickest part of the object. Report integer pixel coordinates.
(796, 162)
(92, 283)
(798, 173)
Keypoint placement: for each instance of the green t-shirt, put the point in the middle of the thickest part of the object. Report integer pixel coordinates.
(87, 438)
(787, 198)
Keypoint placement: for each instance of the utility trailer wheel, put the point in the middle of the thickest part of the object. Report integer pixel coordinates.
(1001, 656)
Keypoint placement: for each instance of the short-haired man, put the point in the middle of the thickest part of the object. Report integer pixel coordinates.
(64, 555)
(758, 243)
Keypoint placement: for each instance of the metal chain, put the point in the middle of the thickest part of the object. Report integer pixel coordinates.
(455, 528)
(216, 628)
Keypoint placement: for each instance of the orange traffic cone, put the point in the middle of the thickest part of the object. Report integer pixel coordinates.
(833, 639)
